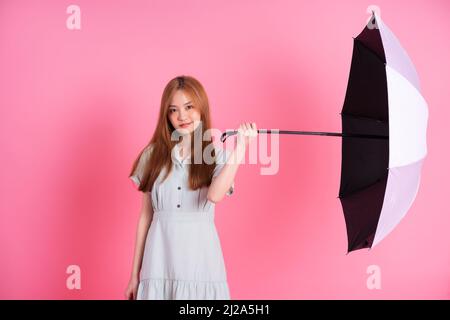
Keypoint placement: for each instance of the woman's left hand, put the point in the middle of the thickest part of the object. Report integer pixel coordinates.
(247, 132)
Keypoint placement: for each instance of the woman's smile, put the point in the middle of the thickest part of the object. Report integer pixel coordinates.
(185, 125)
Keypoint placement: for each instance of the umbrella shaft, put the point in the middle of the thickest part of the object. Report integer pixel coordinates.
(332, 134)
(226, 134)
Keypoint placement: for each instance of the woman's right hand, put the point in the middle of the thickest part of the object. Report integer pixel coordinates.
(246, 133)
(131, 291)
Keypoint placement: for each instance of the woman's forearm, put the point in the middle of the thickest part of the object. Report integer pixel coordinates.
(223, 182)
(141, 234)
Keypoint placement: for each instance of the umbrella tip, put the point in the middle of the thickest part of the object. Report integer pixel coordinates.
(372, 9)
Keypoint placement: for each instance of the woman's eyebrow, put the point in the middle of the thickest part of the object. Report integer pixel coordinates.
(172, 105)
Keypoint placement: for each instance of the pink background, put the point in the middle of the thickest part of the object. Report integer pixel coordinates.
(78, 105)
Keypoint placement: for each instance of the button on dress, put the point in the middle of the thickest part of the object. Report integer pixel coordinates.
(183, 257)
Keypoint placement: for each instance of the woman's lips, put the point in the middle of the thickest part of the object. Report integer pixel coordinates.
(185, 125)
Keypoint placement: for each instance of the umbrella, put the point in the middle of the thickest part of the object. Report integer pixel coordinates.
(384, 122)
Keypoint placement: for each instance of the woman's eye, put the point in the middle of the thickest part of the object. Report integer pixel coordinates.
(189, 107)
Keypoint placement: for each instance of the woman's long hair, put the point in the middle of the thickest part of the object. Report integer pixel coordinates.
(200, 174)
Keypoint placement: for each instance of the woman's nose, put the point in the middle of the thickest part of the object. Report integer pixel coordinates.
(182, 115)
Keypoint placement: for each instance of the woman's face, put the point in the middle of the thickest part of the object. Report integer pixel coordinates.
(183, 115)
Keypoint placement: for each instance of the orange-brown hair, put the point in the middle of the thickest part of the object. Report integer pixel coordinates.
(199, 174)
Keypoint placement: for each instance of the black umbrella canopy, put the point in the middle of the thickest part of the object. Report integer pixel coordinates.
(365, 163)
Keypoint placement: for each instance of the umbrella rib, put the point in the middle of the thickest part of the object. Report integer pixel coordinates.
(363, 117)
(370, 50)
(384, 177)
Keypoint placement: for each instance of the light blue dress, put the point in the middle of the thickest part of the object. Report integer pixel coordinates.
(182, 257)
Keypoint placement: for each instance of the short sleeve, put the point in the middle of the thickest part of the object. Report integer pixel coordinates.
(139, 171)
(222, 156)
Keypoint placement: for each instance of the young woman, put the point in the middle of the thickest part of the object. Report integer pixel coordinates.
(182, 176)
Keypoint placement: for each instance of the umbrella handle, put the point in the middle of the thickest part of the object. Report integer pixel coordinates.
(227, 134)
